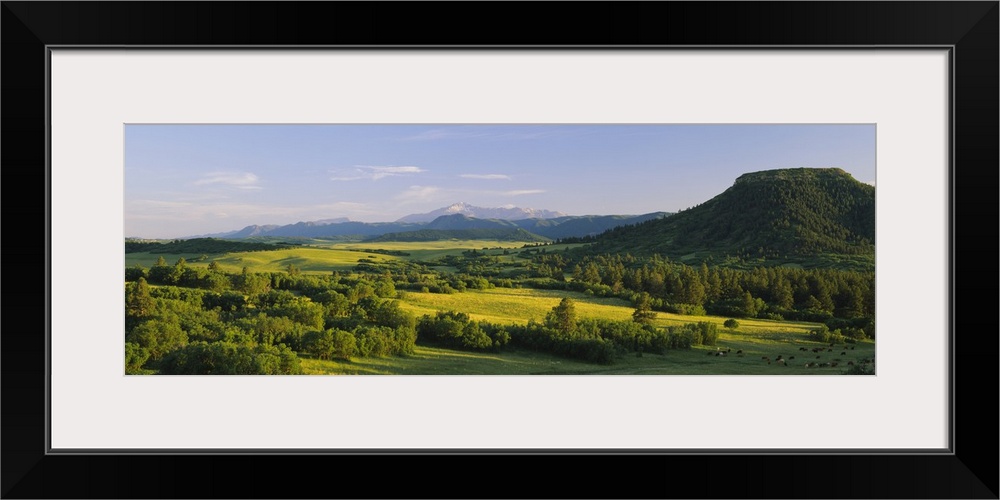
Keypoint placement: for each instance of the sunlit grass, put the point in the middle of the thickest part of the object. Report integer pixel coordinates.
(699, 360)
(307, 259)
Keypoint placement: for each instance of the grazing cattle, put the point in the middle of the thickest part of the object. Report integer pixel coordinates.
(803, 349)
(791, 358)
(739, 351)
(765, 358)
(843, 353)
(831, 344)
(781, 361)
(808, 365)
(850, 363)
(829, 350)
(710, 353)
(825, 365)
(834, 364)
(852, 348)
(817, 357)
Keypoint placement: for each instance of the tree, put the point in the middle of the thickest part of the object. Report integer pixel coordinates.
(138, 302)
(644, 309)
(709, 332)
(591, 274)
(252, 283)
(157, 337)
(748, 305)
(319, 343)
(135, 357)
(344, 344)
(563, 317)
(135, 272)
(731, 323)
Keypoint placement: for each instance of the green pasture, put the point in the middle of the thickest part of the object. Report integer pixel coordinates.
(324, 257)
(513, 305)
(696, 361)
(307, 259)
(518, 305)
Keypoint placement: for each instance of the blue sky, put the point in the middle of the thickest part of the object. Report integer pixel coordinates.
(184, 180)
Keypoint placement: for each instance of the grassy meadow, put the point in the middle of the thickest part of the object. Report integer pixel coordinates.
(756, 338)
(699, 360)
(310, 260)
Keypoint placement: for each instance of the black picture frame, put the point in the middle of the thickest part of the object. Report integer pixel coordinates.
(970, 28)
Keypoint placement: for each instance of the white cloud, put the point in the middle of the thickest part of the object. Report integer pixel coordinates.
(239, 180)
(519, 192)
(486, 176)
(373, 172)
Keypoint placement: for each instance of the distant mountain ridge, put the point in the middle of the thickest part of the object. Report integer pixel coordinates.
(558, 227)
(502, 213)
(497, 234)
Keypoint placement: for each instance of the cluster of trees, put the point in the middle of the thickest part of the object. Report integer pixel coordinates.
(456, 330)
(659, 284)
(257, 322)
(200, 246)
(820, 295)
(227, 358)
(562, 333)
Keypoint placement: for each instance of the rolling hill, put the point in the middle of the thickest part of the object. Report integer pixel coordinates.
(770, 214)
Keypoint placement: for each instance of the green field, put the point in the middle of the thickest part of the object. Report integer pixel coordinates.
(757, 338)
(518, 305)
(321, 257)
(308, 259)
(696, 361)
(513, 305)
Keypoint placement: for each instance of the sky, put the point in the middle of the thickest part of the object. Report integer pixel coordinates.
(187, 180)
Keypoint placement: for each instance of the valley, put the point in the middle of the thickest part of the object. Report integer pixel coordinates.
(775, 276)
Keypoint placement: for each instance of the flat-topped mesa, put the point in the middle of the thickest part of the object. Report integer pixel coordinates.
(795, 174)
(780, 213)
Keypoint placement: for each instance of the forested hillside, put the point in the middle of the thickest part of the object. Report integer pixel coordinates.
(771, 214)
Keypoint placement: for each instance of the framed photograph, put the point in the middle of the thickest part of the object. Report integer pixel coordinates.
(155, 131)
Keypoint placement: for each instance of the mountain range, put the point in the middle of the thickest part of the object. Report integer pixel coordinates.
(502, 213)
(771, 214)
(522, 224)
